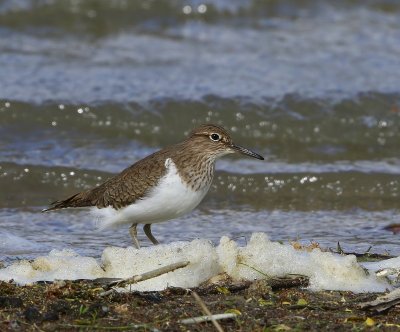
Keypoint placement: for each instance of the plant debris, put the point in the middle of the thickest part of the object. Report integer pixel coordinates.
(254, 306)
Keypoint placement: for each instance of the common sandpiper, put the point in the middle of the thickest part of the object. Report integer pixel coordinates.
(162, 186)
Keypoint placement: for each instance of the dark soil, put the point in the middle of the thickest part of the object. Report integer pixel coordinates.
(79, 306)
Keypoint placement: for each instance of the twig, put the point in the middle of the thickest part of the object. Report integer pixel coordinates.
(366, 254)
(339, 249)
(253, 268)
(111, 328)
(382, 303)
(290, 280)
(150, 274)
(201, 319)
(34, 325)
(145, 276)
(206, 311)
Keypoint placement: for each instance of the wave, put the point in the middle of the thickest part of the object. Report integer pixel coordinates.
(105, 16)
(299, 189)
(293, 130)
(49, 53)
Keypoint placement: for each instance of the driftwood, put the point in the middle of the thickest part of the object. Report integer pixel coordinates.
(142, 277)
(365, 255)
(384, 302)
(207, 311)
(289, 281)
(200, 319)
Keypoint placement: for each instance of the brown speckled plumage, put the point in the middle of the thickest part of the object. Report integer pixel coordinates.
(194, 158)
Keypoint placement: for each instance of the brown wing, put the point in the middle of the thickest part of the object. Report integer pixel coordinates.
(123, 189)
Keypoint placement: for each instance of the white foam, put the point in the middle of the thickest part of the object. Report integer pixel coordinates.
(326, 270)
(59, 264)
(389, 268)
(124, 263)
(392, 263)
(258, 258)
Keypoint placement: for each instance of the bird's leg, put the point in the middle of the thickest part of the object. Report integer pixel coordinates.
(147, 231)
(133, 233)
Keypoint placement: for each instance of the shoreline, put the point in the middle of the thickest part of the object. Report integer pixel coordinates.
(258, 306)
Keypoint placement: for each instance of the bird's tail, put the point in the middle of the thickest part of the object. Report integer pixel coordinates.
(73, 201)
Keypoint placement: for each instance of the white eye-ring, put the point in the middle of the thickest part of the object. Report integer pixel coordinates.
(215, 137)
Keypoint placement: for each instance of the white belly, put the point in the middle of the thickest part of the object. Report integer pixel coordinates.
(170, 199)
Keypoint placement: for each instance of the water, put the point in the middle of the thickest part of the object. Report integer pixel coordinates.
(88, 88)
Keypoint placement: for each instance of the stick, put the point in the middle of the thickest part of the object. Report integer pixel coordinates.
(206, 311)
(201, 319)
(111, 328)
(145, 276)
(384, 302)
(288, 281)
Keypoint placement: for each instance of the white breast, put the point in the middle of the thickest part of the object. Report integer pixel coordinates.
(170, 199)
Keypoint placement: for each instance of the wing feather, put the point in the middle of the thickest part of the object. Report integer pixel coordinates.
(124, 189)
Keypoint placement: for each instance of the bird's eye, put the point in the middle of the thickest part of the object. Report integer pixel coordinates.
(215, 137)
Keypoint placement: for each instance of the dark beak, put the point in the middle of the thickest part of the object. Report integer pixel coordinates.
(247, 152)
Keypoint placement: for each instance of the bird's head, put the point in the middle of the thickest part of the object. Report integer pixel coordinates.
(216, 141)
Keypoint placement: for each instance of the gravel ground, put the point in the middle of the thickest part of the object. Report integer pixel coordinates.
(259, 306)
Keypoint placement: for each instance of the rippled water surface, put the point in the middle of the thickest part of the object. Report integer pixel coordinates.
(88, 88)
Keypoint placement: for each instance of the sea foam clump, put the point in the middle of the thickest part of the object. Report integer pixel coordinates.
(258, 259)
(124, 263)
(58, 264)
(262, 257)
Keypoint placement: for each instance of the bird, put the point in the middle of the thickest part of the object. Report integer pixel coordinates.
(162, 186)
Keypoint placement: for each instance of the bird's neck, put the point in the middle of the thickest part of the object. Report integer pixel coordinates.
(196, 167)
